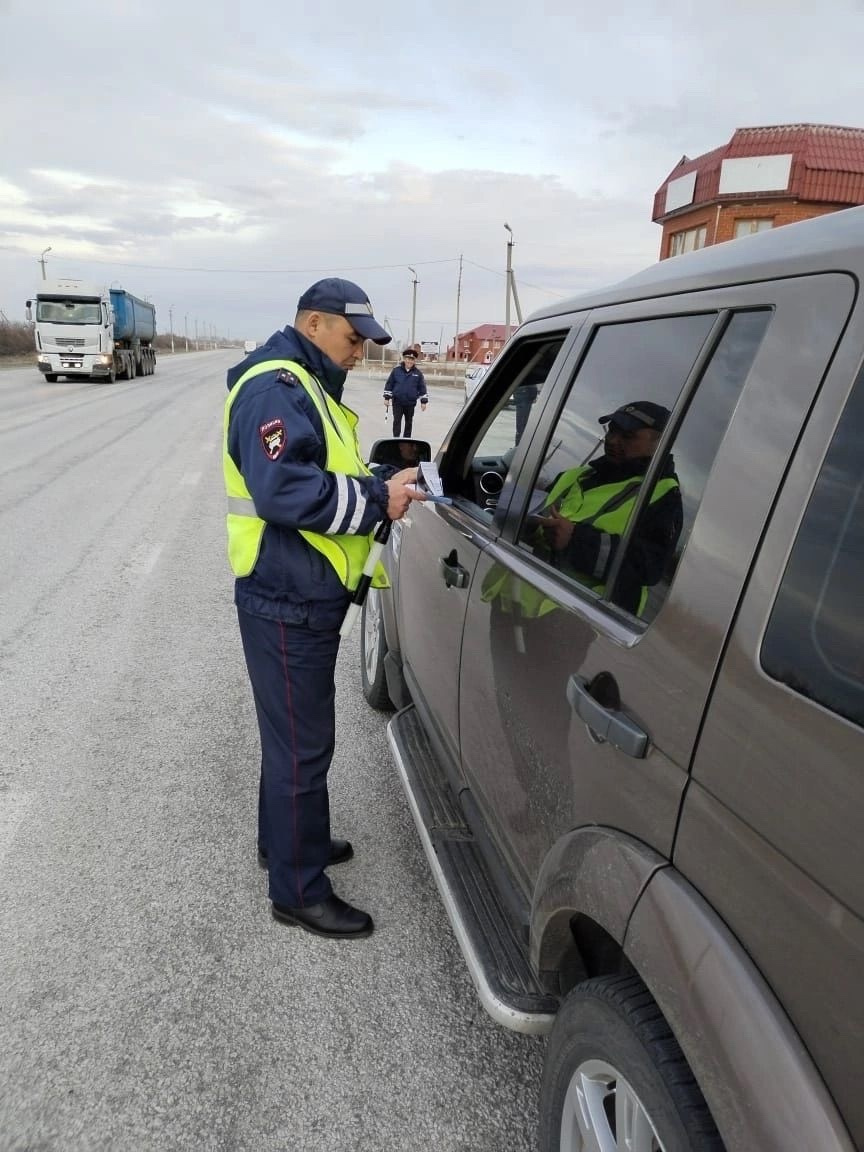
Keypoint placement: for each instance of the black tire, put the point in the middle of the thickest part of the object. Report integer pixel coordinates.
(610, 1037)
(51, 377)
(373, 649)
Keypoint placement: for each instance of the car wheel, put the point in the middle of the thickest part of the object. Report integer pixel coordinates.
(615, 1079)
(51, 377)
(373, 649)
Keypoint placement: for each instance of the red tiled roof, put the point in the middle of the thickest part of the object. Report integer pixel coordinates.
(827, 165)
(486, 332)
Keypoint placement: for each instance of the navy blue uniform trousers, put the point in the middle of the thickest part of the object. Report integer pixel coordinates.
(292, 669)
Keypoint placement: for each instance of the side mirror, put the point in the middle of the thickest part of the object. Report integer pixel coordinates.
(28, 313)
(402, 453)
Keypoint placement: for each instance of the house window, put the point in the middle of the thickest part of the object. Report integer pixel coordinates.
(688, 241)
(748, 227)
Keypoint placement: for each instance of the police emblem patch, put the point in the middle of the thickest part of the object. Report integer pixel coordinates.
(273, 438)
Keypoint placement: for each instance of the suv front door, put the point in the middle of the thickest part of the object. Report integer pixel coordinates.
(438, 545)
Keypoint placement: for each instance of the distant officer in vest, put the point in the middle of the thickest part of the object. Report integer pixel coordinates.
(302, 506)
(588, 508)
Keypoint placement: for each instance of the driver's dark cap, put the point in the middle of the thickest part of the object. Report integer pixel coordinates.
(344, 298)
(639, 414)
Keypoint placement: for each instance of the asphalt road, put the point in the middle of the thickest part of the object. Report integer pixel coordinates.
(147, 998)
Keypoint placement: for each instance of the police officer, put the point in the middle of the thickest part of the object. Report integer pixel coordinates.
(301, 509)
(405, 386)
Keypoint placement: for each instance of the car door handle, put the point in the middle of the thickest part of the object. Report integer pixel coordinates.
(608, 724)
(455, 576)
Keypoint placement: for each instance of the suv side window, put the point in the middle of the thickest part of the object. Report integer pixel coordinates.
(590, 485)
(520, 379)
(815, 637)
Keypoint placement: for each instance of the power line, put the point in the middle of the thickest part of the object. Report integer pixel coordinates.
(525, 283)
(251, 271)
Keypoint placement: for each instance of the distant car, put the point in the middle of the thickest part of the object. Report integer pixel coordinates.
(249, 346)
(473, 377)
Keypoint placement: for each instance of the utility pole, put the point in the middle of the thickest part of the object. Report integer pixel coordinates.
(196, 333)
(511, 286)
(171, 322)
(507, 286)
(458, 302)
(413, 304)
(186, 330)
(42, 260)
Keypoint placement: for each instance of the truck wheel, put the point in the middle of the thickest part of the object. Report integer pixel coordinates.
(373, 649)
(615, 1078)
(51, 377)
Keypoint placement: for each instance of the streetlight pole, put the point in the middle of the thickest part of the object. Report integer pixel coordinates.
(196, 333)
(509, 278)
(186, 330)
(42, 260)
(413, 304)
(171, 322)
(458, 302)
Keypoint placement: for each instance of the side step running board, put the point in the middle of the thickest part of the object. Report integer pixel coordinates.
(495, 956)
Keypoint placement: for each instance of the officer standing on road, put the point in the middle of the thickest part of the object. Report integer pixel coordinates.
(405, 386)
(301, 509)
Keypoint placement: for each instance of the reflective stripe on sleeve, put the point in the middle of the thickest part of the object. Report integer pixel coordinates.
(240, 506)
(342, 492)
(359, 508)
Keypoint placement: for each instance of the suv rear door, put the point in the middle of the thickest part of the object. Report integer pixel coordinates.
(588, 713)
(773, 838)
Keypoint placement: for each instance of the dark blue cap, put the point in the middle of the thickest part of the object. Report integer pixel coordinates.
(639, 414)
(343, 298)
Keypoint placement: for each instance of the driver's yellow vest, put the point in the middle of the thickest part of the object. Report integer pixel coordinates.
(607, 508)
(346, 553)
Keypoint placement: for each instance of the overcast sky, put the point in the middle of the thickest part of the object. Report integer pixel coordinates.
(217, 158)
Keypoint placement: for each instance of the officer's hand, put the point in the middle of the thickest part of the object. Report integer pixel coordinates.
(400, 493)
(557, 529)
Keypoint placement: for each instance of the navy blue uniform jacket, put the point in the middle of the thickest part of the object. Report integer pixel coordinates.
(406, 386)
(276, 439)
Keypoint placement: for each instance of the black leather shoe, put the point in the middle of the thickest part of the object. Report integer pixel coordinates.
(340, 851)
(332, 918)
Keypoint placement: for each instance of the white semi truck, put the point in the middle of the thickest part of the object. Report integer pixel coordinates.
(84, 330)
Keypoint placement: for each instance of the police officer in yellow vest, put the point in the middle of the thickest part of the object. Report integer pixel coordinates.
(588, 508)
(301, 510)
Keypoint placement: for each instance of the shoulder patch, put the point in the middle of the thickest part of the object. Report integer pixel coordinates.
(283, 376)
(272, 434)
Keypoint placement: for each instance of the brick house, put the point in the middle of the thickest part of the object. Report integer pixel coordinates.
(481, 345)
(763, 178)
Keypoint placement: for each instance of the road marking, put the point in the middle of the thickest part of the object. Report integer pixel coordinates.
(13, 807)
(143, 561)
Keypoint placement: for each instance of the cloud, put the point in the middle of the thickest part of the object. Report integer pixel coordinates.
(268, 148)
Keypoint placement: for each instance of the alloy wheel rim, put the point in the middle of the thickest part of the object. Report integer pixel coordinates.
(602, 1113)
(371, 629)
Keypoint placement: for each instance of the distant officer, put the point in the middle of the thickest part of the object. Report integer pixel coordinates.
(405, 386)
(301, 508)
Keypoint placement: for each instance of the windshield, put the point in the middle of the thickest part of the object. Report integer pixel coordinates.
(69, 311)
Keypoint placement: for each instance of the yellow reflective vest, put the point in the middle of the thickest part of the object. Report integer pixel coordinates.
(607, 507)
(346, 553)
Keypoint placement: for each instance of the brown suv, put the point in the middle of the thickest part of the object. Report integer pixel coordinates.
(629, 663)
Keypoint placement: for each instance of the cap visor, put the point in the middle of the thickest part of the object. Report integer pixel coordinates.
(369, 329)
(624, 421)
